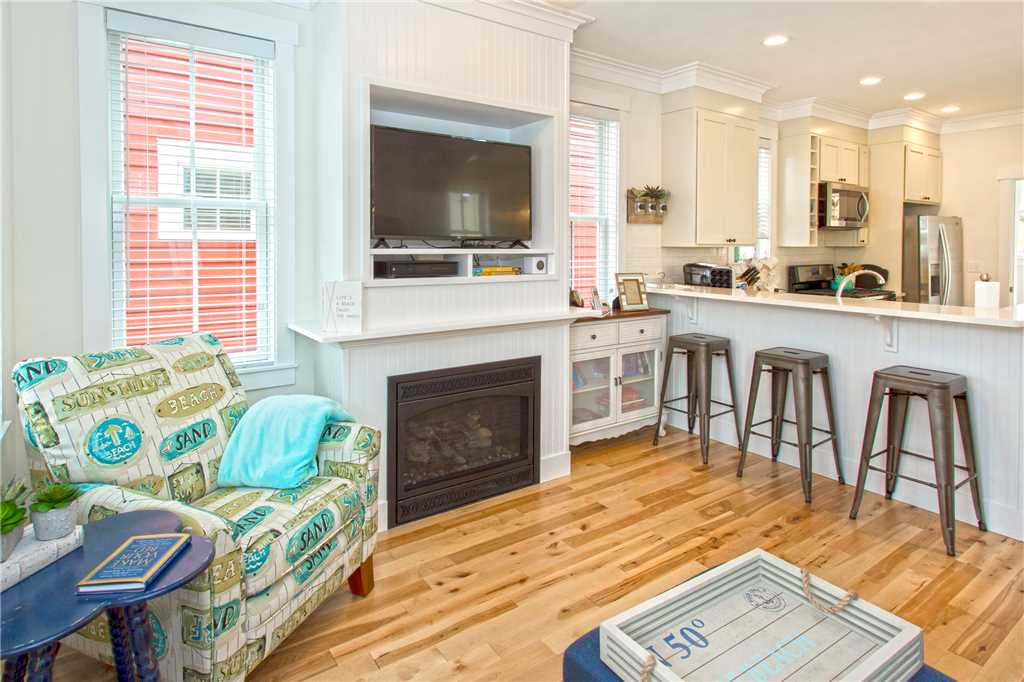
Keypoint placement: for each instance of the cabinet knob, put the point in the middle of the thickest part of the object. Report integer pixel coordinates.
(593, 337)
(926, 198)
(641, 331)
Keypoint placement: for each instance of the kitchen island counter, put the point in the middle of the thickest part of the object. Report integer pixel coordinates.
(986, 346)
(1012, 316)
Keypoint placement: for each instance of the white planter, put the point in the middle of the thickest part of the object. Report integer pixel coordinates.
(9, 540)
(55, 523)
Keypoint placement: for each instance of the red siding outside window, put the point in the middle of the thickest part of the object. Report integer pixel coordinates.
(188, 206)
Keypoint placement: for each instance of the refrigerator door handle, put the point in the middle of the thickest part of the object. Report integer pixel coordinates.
(944, 255)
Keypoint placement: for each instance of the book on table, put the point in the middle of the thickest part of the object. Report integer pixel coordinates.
(134, 564)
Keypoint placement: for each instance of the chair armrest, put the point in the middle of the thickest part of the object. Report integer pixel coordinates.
(349, 450)
(100, 500)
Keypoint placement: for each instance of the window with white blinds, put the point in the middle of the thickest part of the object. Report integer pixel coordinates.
(192, 185)
(593, 207)
(763, 246)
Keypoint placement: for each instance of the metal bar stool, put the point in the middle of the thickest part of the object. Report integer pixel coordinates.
(802, 365)
(699, 351)
(941, 390)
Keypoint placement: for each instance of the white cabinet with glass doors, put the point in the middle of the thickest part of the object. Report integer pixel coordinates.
(616, 376)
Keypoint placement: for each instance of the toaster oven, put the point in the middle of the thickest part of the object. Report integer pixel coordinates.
(707, 275)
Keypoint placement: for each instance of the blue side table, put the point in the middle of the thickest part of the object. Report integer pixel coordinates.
(39, 611)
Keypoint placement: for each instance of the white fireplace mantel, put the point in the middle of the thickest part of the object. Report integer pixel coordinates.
(313, 330)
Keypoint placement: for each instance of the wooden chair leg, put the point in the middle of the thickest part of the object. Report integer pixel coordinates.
(361, 582)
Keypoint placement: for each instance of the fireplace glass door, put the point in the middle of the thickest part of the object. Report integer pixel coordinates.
(453, 439)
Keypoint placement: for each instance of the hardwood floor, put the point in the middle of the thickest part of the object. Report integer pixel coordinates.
(497, 590)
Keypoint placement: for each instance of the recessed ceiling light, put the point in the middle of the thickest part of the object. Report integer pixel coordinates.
(913, 96)
(951, 109)
(870, 80)
(775, 41)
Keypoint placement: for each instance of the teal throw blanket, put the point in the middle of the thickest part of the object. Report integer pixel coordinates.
(274, 445)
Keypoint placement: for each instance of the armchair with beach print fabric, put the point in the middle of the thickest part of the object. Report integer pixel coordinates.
(144, 428)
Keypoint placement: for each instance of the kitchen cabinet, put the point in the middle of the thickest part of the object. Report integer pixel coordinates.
(858, 237)
(616, 375)
(864, 177)
(840, 161)
(923, 175)
(709, 161)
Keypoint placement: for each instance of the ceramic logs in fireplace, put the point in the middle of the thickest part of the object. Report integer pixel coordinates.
(461, 434)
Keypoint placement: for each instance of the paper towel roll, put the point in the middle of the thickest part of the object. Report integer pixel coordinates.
(986, 294)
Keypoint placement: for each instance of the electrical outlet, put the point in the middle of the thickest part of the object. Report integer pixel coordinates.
(973, 266)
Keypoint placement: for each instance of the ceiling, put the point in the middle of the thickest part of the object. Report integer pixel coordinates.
(965, 53)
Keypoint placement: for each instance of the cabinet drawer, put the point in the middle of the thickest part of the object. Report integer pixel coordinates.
(641, 330)
(594, 336)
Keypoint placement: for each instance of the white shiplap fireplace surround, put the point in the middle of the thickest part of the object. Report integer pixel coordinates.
(499, 71)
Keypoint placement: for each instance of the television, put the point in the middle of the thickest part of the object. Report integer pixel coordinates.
(429, 186)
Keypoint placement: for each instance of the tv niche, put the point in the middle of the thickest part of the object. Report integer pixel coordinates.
(427, 186)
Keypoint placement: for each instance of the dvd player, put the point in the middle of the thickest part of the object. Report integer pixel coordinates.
(395, 269)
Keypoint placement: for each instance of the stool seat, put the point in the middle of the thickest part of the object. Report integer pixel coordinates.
(698, 340)
(904, 377)
(944, 393)
(782, 356)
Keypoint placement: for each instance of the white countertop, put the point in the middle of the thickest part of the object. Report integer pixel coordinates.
(992, 317)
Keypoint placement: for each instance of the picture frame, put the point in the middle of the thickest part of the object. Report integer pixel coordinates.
(595, 299)
(632, 291)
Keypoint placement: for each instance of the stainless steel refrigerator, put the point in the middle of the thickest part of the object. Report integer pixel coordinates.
(933, 259)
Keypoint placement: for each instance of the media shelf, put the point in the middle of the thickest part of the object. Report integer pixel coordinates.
(466, 260)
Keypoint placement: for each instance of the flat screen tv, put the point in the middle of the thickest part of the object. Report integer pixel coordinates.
(428, 186)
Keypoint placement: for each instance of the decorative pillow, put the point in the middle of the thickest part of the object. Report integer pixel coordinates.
(153, 418)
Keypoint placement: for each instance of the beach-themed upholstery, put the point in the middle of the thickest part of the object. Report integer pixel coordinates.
(278, 553)
(153, 418)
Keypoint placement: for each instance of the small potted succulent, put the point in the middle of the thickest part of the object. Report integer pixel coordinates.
(657, 197)
(12, 517)
(53, 512)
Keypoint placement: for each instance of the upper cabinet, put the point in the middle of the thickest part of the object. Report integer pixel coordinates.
(923, 175)
(840, 161)
(710, 160)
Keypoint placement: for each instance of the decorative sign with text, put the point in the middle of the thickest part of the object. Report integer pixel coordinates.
(749, 619)
(342, 307)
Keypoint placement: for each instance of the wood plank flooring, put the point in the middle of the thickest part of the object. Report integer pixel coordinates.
(499, 589)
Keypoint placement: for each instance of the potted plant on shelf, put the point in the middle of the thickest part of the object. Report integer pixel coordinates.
(12, 517)
(53, 512)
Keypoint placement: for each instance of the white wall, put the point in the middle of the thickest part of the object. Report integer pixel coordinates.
(972, 164)
(45, 225)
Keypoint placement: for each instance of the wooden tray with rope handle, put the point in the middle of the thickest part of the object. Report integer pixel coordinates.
(758, 617)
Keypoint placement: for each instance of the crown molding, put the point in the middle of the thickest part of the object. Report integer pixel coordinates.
(533, 16)
(999, 119)
(694, 74)
(699, 74)
(815, 106)
(610, 70)
(907, 116)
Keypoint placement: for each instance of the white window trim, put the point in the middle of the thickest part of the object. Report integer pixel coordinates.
(94, 156)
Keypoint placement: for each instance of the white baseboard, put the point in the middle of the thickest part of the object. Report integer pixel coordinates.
(555, 465)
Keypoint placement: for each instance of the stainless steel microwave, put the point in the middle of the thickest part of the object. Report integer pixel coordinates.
(842, 206)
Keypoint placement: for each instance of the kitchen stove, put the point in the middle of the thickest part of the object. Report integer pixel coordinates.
(816, 280)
